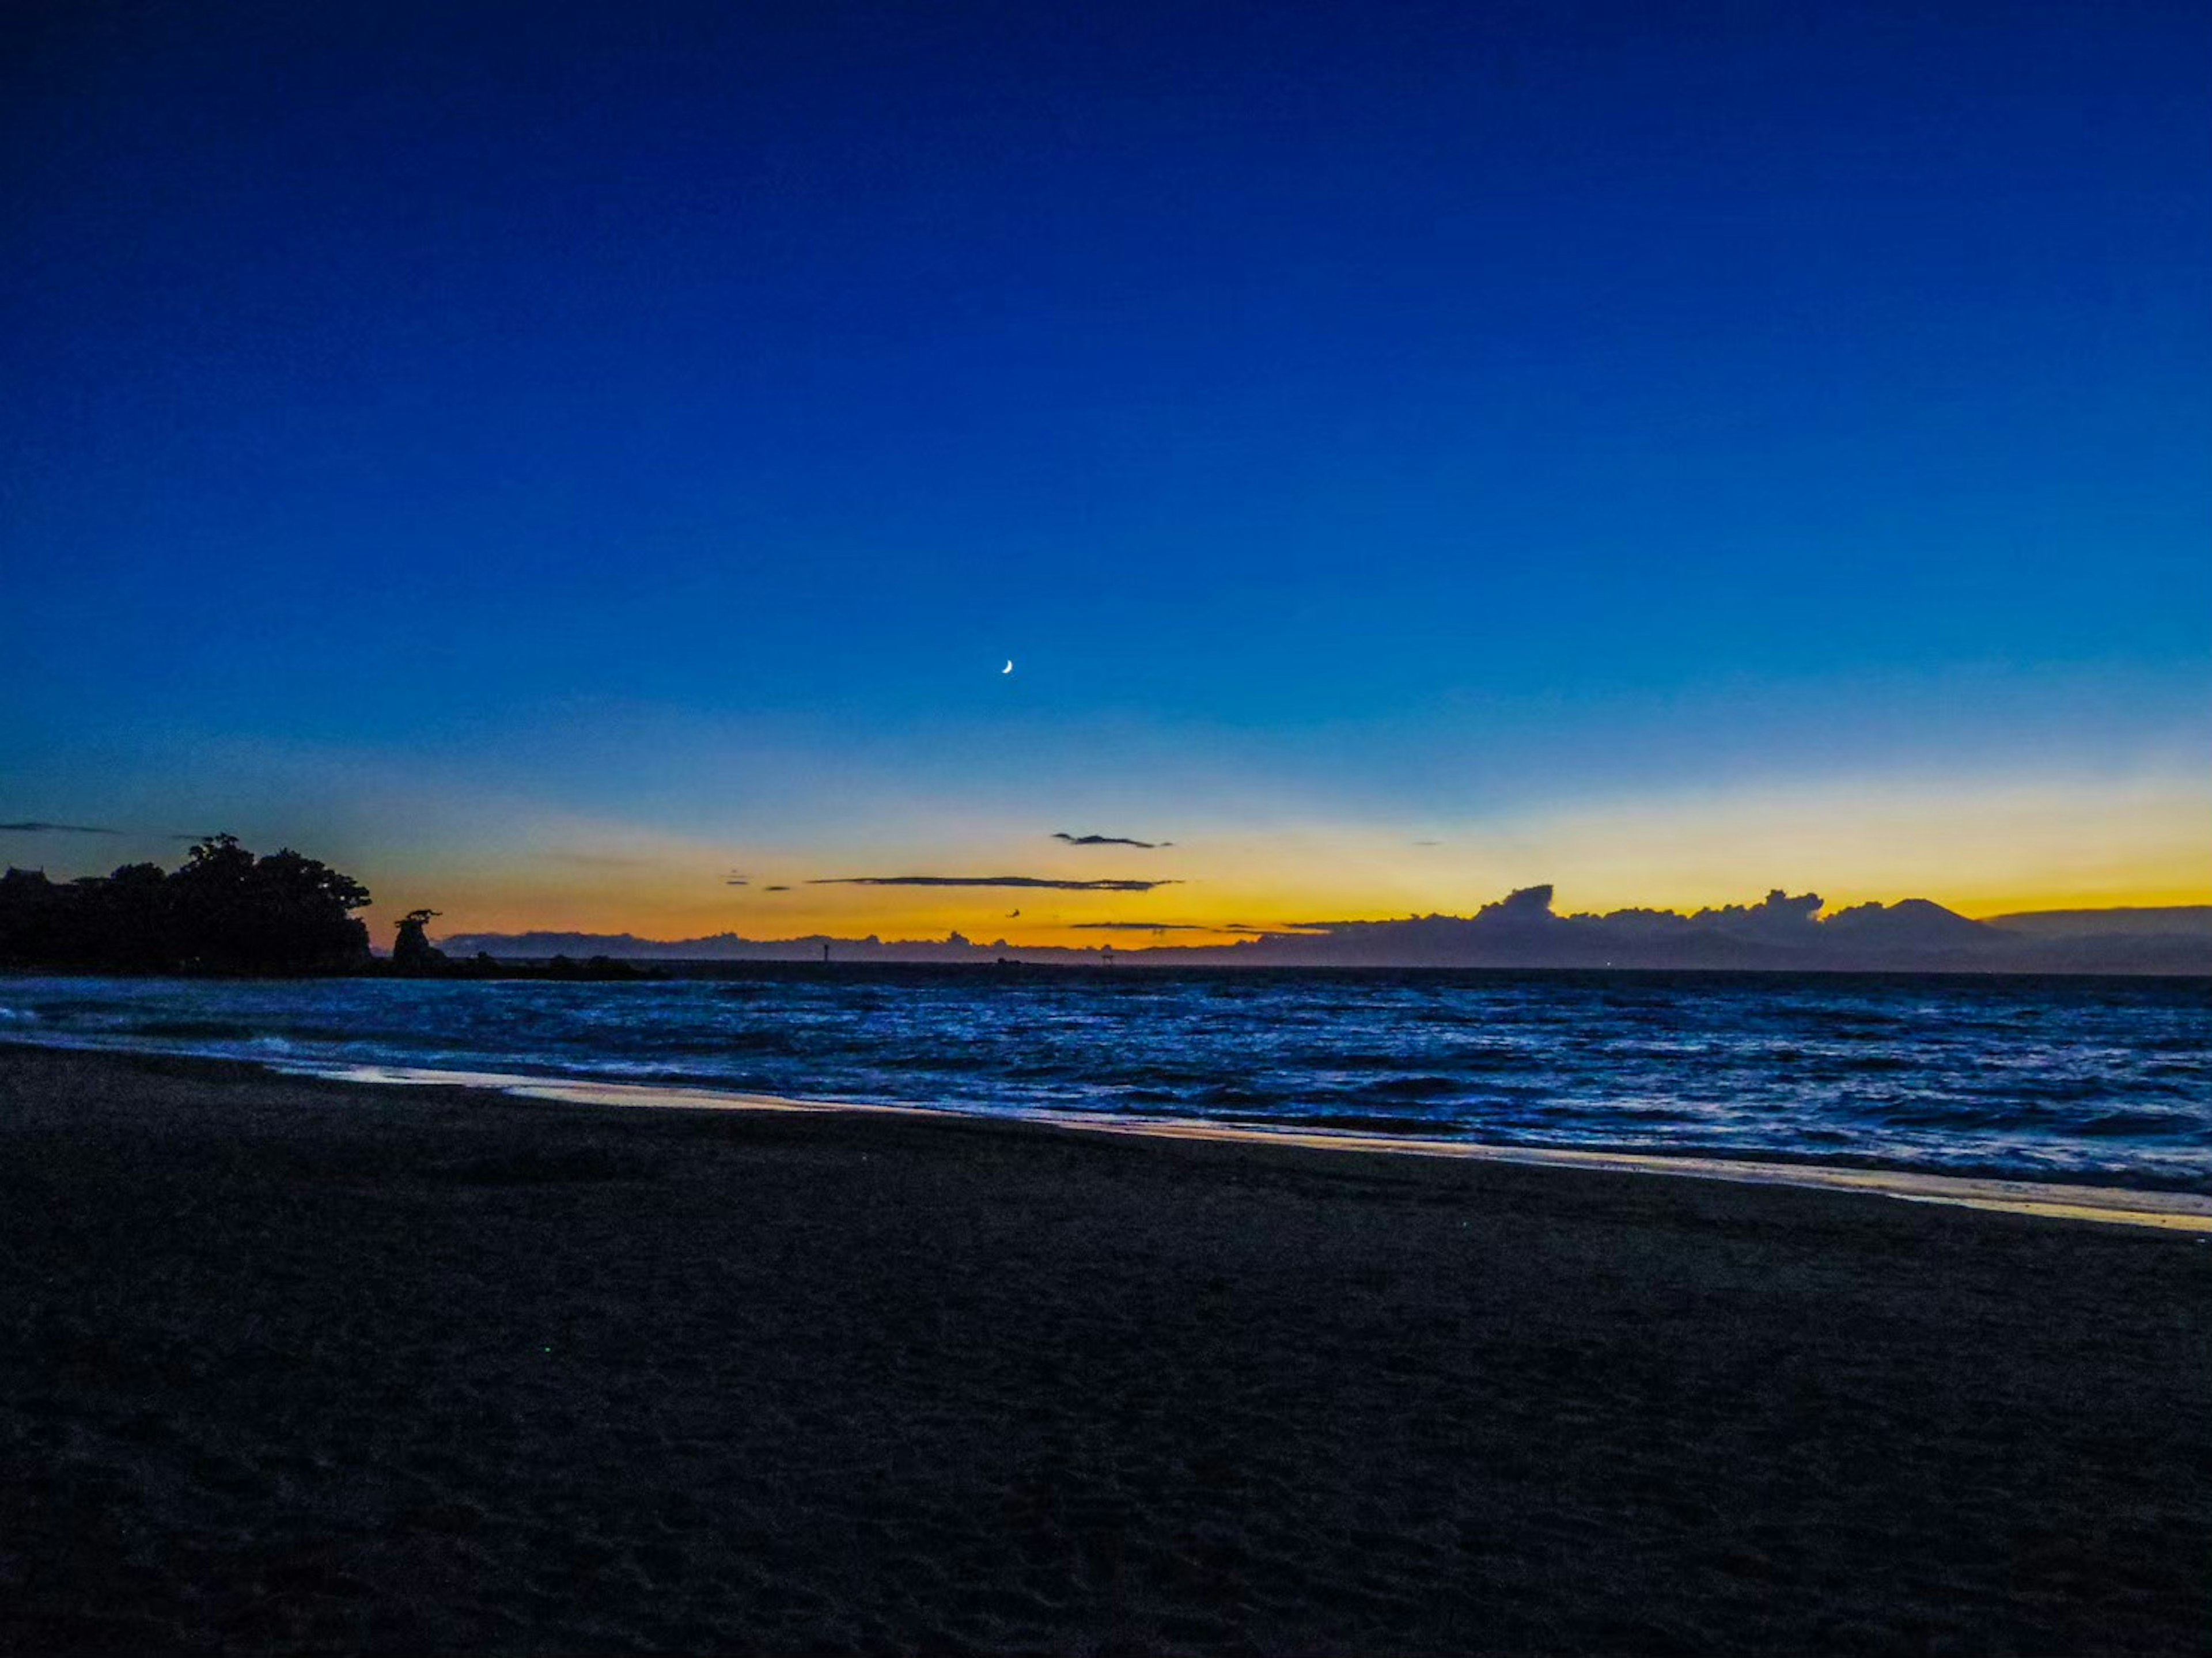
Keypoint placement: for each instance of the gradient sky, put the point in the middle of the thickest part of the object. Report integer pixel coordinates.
(554, 460)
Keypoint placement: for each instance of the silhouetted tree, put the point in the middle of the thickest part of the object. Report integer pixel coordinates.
(224, 911)
(33, 924)
(412, 949)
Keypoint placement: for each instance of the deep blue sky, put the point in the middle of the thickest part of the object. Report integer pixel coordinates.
(1610, 381)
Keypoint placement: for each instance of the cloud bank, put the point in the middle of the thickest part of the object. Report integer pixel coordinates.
(35, 828)
(1035, 881)
(1107, 841)
(1783, 932)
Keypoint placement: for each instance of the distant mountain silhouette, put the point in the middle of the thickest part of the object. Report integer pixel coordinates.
(1910, 923)
(2173, 921)
(1782, 932)
(734, 947)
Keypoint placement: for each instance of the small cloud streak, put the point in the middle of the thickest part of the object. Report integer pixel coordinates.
(1108, 841)
(776, 889)
(34, 828)
(1147, 926)
(1027, 881)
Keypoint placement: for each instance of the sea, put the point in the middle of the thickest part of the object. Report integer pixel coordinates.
(2100, 1080)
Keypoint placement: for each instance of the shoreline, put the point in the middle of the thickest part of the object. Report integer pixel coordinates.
(307, 1366)
(2102, 1203)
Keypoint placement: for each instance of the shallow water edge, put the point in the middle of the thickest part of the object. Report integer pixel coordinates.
(2180, 1211)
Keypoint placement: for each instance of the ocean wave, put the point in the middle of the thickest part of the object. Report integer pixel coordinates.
(2140, 1124)
(1411, 1088)
(193, 1030)
(2107, 1081)
(1495, 1059)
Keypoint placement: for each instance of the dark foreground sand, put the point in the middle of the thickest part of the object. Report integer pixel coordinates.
(319, 1368)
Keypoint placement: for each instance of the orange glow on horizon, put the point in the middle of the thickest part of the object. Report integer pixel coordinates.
(1982, 848)
(651, 915)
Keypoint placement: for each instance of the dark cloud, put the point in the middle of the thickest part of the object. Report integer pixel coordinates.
(55, 828)
(776, 889)
(737, 881)
(1107, 841)
(1037, 881)
(1147, 926)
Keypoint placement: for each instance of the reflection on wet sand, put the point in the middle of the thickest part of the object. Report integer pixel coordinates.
(2113, 1205)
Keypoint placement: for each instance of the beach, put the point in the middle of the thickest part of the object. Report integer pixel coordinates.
(308, 1366)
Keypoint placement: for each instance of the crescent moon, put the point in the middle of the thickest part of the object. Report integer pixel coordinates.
(1009, 668)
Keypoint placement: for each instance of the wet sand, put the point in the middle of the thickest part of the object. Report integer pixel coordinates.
(290, 1365)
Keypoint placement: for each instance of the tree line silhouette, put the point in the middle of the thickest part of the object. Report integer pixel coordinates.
(224, 910)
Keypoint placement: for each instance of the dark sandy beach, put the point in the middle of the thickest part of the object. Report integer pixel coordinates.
(308, 1367)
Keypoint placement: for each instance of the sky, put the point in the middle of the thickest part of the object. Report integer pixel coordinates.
(585, 466)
